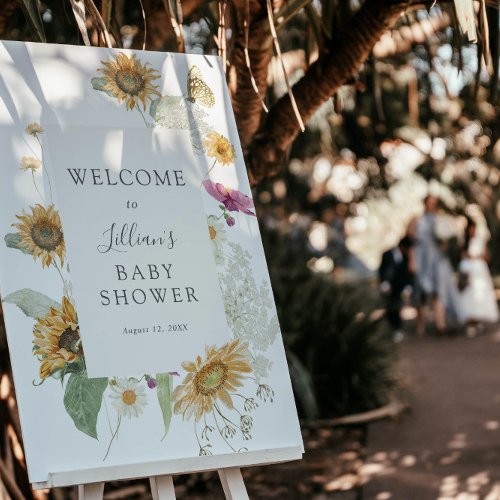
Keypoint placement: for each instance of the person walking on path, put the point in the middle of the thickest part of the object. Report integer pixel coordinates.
(395, 279)
(477, 297)
(427, 256)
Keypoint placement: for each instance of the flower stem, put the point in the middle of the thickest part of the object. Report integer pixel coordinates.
(45, 171)
(36, 187)
(107, 416)
(196, 434)
(209, 170)
(142, 114)
(220, 432)
(226, 419)
(113, 437)
(59, 271)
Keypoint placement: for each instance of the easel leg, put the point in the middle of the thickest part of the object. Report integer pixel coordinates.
(90, 491)
(232, 483)
(162, 487)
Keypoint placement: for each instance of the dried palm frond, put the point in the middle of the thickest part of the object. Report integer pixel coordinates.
(466, 18)
(221, 33)
(246, 28)
(31, 9)
(176, 22)
(278, 55)
(78, 7)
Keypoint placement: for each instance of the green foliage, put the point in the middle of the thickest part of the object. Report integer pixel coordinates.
(332, 330)
(164, 392)
(33, 304)
(13, 240)
(83, 399)
(303, 386)
(100, 84)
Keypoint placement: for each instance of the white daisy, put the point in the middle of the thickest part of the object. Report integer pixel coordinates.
(33, 129)
(128, 397)
(30, 163)
(217, 232)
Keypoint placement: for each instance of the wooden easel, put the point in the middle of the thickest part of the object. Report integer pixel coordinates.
(162, 487)
(91, 481)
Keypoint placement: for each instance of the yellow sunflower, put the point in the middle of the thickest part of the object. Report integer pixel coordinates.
(212, 380)
(128, 80)
(57, 339)
(219, 147)
(41, 234)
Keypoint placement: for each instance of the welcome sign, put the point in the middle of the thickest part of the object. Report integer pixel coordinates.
(143, 233)
(139, 313)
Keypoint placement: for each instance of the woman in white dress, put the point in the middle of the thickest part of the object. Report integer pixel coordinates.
(478, 300)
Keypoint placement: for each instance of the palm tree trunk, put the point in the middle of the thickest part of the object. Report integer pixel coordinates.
(268, 150)
(246, 103)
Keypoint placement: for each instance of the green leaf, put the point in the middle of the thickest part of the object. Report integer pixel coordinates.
(83, 399)
(164, 392)
(303, 386)
(99, 83)
(13, 240)
(75, 367)
(33, 304)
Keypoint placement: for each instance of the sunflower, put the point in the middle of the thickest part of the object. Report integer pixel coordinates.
(57, 339)
(41, 234)
(128, 397)
(219, 147)
(128, 80)
(211, 380)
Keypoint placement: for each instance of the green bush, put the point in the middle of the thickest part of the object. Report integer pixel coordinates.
(341, 354)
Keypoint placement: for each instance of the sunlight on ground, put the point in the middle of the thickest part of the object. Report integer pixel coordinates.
(492, 425)
(452, 487)
(458, 442)
(383, 495)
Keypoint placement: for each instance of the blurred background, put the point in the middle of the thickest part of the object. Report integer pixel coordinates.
(380, 223)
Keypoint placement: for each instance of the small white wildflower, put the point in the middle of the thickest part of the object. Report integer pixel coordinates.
(33, 129)
(30, 163)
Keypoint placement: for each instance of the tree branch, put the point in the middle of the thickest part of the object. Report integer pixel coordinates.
(268, 150)
(246, 103)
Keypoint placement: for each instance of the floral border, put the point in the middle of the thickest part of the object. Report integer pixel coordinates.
(214, 390)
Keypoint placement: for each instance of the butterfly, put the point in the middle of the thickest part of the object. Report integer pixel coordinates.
(198, 91)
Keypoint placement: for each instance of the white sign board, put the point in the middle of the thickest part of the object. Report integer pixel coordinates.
(140, 317)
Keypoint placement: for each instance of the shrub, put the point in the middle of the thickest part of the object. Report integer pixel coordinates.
(341, 353)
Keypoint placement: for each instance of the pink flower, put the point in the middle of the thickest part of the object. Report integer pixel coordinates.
(230, 221)
(232, 199)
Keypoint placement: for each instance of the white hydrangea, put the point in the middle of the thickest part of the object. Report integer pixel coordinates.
(261, 367)
(249, 306)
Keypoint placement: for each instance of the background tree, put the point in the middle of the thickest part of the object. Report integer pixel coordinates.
(374, 85)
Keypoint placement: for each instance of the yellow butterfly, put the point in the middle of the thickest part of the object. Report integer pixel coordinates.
(198, 91)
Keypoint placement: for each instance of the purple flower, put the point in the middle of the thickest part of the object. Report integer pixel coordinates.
(232, 199)
(230, 221)
(175, 374)
(152, 383)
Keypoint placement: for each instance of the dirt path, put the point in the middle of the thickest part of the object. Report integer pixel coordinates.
(448, 446)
